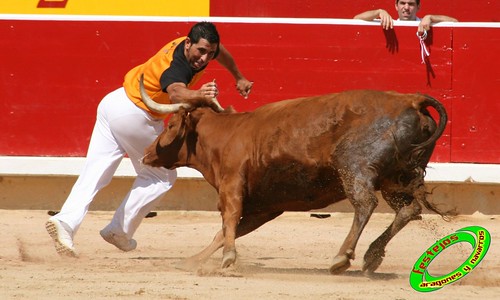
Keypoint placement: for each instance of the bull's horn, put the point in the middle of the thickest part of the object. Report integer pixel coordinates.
(219, 107)
(157, 107)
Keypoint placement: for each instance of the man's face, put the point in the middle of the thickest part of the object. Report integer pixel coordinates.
(198, 55)
(407, 9)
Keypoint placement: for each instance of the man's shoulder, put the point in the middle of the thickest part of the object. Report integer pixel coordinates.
(178, 41)
(173, 44)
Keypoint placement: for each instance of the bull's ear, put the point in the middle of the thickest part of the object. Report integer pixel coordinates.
(174, 129)
(230, 110)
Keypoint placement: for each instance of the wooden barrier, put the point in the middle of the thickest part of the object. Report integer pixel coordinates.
(56, 67)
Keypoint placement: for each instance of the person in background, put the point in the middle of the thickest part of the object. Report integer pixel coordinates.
(407, 11)
(125, 126)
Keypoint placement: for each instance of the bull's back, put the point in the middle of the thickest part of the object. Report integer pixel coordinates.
(298, 147)
(310, 127)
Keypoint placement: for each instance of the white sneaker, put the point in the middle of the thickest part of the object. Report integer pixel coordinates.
(62, 236)
(120, 241)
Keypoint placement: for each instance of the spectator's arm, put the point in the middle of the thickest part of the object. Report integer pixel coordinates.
(385, 19)
(426, 22)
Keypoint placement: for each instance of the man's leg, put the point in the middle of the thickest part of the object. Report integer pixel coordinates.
(135, 132)
(103, 157)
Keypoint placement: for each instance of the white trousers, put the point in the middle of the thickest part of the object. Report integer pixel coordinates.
(121, 128)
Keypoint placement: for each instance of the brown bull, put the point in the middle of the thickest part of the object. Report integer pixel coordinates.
(307, 153)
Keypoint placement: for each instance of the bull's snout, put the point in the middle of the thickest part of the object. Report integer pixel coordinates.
(150, 159)
(144, 160)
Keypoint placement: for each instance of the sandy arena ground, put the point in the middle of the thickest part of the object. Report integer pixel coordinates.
(287, 258)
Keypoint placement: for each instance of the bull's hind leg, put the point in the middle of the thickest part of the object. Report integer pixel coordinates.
(247, 224)
(406, 203)
(361, 193)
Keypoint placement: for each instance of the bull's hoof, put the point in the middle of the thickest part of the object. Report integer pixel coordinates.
(369, 266)
(340, 264)
(372, 260)
(228, 258)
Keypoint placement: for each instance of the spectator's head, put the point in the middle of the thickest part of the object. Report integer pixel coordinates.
(407, 9)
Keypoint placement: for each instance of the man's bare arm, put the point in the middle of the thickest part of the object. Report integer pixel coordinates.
(386, 20)
(180, 93)
(428, 20)
(227, 61)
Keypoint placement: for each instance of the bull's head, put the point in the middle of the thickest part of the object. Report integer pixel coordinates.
(166, 150)
(176, 144)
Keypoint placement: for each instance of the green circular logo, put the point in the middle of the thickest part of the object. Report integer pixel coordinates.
(480, 240)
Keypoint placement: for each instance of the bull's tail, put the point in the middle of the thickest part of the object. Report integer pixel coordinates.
(418, 152)
(420, 149)
(443, 119)
(447, 215)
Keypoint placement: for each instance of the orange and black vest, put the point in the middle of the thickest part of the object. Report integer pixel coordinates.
(153, 69)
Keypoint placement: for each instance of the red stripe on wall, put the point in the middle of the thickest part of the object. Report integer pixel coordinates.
(58, 71)
(463, 10)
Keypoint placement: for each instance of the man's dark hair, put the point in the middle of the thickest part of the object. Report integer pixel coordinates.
(418, 2)
(204, 30)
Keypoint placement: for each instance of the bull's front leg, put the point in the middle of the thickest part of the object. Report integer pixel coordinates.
(192, 263)
(231, 210)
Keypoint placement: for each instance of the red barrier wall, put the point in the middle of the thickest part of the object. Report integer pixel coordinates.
(54, 73)
(463, 10)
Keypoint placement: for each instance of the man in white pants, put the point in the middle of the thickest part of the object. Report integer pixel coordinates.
(125, 125)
